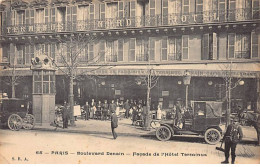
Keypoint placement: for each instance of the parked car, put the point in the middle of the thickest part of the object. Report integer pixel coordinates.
(204, 119)
(14, 114)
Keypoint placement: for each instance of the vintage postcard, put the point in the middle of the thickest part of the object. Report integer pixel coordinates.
(129, 82)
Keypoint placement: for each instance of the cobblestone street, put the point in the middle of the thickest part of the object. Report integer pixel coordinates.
(91, 142)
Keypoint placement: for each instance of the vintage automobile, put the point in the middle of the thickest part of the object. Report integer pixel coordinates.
(14, 114)
(203, 119)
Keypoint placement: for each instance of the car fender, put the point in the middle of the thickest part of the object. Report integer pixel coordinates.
(168, 126)
(215, 127)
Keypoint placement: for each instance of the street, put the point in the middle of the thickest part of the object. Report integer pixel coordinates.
(98, 146)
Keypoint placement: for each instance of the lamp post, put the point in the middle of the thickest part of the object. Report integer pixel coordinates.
(186, 82)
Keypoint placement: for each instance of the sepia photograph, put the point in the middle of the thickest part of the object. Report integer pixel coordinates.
(129, 82)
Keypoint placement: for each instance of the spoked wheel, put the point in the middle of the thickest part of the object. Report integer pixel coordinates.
(28, 121)
(15, 122)
(163, 133)
(212, 136)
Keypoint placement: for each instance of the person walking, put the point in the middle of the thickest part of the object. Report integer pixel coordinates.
(127, 108)
(87, 110)
(92, 108)
(65, 115)
(114, 124)
(232, 136)
(112, 107)
(105, 110)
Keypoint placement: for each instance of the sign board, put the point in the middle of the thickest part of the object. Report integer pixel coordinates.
(77, 111)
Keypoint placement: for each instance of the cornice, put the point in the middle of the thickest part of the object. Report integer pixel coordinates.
(39, 3)
(19, 4)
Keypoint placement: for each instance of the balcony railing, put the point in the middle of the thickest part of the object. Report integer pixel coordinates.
(242, 54)
(214, 16)
(174, 56)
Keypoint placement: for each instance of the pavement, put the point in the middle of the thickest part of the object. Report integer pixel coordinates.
(126, 128)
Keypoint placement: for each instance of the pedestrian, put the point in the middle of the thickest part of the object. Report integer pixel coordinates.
(232, 136)
(99, 110)
(127, 108)
(117, 107)
(178, 115)
(159, 112)
(114, 124)
(105, 110)
(65, 115)
(134, 107)
(92, 108)
(87, 110)
(112, 107)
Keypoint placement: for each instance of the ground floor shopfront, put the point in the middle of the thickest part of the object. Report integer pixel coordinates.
(122, 82)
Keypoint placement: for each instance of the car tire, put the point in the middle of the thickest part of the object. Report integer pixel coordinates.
(212, 136)
(15, 122)
(163, 133)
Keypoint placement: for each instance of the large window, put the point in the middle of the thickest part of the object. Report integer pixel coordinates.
(20, 17)
(20, 54)
(174, 51)
(242, 46)
(131, 49)
(142, 49)
(39, 15)
(29, 53)
(239, 46)
(111, 50)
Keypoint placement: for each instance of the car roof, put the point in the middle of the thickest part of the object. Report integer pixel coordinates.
(13, 99)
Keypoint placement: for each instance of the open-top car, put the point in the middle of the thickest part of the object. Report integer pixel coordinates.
(14, 114)
(204, 119)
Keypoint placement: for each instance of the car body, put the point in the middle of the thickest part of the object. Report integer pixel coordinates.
(14, 113)
(203, 119)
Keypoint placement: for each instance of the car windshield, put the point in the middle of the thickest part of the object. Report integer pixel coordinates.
(14, 105)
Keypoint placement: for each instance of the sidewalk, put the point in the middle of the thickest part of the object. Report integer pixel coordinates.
(125, 128)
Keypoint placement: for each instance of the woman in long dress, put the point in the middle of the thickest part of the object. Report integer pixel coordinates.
(159, 112)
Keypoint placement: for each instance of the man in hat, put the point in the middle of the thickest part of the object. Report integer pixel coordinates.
(232, 136)
(65, 115)
(114, 124)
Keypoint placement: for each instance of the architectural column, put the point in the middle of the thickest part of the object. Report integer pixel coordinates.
(258, 94)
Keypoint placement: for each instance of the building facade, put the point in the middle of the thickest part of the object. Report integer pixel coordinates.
(209, 40)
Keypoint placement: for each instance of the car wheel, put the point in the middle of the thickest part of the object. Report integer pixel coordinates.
(163, 133)
(28, 121)
(212, 136)
(14, 122)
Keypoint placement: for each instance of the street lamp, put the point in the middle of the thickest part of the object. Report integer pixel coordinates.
(186, 82)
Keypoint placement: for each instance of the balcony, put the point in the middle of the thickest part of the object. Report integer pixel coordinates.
(242, 54)
(214, 16)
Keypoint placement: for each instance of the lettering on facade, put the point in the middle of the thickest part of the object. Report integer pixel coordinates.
(114, 23)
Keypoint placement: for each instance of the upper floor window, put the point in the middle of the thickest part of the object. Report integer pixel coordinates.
(39, 16)
(239, 46)
(83, 12)
(19, 54)
(20, 17)
(142, 49)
